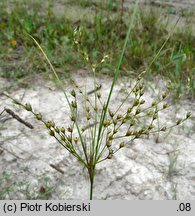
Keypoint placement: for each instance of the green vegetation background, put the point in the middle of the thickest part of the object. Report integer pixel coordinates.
(104, 29)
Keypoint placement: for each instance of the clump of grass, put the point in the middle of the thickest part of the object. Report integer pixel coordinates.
(6, 185)
(9, 184)
(43, 192)
(172, 169)
(105, 131)
(174, 188)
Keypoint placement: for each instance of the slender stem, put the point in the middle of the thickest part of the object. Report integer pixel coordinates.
(117, 71)
(61, 86)
(91, 187)
(91, 172)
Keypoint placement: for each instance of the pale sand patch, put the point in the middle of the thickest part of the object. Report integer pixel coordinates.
(140, 171)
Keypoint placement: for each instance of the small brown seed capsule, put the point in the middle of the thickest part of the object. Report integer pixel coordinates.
(38, 116)
(17, 102)
(28, 107)
(128, 116)
(149, 113)
(154, 116)
(139, 78)
(137, 88)
(142, 130)
(137, 111)
(109, 122)
(163, 129)
(63, 138)
(165, 106)
(51, 133)
(132, 123)
(108, 144)
(87, 109)
(122, 145)
(69, 139)
(115, 131)
(48, 124)
(88, 117)
(52, 124)
(154, 103)
(124, 121)
(141, 93)
(179, 121)
(70, 129)
(62, 130)
(105, 124)
(76, 140)
(99, 95)
(142, 101)
(119, 116)
(111, 113)
(115, 121)
(110, 137)
(74, 104)
(98, 86)
(188, 114)
(57, 129)
(135, 102)
(164, 95)
(129, 110)
(73, 118)
(73, 93)
(95, 108)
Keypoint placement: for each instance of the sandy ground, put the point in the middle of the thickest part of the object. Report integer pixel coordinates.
(175, 3)
(146, 169)
(172, 7)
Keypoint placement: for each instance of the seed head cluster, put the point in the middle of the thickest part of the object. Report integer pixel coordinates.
(100, 131)
(137, 121)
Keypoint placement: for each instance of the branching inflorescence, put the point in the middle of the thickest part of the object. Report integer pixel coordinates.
(103, 130)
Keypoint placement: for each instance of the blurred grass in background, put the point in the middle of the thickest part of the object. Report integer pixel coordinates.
(104, 29)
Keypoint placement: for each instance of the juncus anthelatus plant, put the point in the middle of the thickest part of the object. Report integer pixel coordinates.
(104, 131)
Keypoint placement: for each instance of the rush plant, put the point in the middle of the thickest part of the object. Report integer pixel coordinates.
(103, 131)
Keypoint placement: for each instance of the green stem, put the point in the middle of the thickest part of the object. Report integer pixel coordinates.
(91, 188)
(91, 171)
(116, 74)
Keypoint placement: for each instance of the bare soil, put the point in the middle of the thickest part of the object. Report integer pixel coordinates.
(146, 169)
